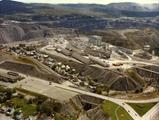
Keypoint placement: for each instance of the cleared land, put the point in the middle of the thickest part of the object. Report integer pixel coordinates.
(42, 87)
(141, 109)
(115, 111)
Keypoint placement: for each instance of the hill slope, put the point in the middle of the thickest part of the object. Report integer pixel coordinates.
(131, 38)
(113, 9)
(10, 7)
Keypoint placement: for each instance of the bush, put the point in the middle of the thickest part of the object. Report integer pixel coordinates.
(50, 107)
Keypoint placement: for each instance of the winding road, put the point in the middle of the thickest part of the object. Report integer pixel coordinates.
(42, 85)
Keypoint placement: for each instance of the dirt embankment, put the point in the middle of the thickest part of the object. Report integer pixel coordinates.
(29, 70)
(112, 79)
(133, 39)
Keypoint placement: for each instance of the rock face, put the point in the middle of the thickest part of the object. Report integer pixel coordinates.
(18, 32)
(98, 114)
(132, 39)
(9, 33)
(75, 107)
(94, 114)
(72, 107)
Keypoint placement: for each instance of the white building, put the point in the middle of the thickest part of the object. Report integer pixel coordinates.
(147, 47)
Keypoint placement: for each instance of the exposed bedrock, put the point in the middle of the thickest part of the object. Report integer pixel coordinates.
(97, 114)
(75, 107)
(9, 33)
(19, 32)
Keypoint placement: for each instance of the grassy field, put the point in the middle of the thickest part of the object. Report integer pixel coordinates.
(28, 109)
(115, 111)
(141, 109)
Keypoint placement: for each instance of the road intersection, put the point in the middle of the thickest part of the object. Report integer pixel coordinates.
(40, 86)
(120, 102)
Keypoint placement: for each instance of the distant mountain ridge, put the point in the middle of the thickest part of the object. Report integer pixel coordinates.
(113, 9)
(10, 7)
(128, 6)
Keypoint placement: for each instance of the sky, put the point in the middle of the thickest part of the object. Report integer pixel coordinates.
(89, 1)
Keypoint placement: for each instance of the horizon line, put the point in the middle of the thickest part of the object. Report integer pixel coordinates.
(56, 3)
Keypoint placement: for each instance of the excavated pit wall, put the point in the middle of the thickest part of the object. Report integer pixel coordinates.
(75, 107)
(19, 32)
(150, 76)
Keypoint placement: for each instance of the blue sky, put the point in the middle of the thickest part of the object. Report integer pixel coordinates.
(88, 1)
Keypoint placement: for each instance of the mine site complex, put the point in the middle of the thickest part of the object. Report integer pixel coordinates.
(78, 66)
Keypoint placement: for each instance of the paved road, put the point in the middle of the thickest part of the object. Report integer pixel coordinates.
(151, 113)
(133, 114)
(132, 62)
(52, 52)
(42, 87)
(120, 102)
(129, 58)
(147, 70)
